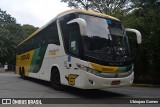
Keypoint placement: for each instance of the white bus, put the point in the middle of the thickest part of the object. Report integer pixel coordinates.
(78, 48)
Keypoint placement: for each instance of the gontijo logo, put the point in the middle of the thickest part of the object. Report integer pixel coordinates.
(25, 56)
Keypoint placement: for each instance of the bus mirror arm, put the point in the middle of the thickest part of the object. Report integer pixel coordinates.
(82, 24)
(138, 34)
(139, 40)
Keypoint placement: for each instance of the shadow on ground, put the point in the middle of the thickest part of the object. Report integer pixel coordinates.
(82, 93)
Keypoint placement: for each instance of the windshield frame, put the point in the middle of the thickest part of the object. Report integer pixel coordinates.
(109, 62)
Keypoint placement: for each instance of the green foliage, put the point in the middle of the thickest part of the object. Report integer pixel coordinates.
(6, 45)
(11, 34)
(6, 19)
(147, 20)
(28, 29)
(111, 7)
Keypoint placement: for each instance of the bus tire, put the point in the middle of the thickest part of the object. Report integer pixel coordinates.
(55, 79)
(20, 71)
(23, 74)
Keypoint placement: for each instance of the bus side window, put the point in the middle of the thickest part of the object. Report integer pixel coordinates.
(42, 40)
(51, 34)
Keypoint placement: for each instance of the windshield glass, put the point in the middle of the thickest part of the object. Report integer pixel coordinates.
(105, 39)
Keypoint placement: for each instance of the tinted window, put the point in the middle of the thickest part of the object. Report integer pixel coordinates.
(51, 34)
(48, 35)
(71, 34)
(74, 34)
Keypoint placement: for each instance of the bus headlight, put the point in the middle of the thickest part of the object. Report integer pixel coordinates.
(90, 70)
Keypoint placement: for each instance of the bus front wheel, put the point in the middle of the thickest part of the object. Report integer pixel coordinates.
(55, 80)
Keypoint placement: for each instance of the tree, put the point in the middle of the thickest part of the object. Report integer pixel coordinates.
(5, 19)
(11, 34)
(28, 30)
(80, 4)
(111, 7)
(6, 43)
(146, 18)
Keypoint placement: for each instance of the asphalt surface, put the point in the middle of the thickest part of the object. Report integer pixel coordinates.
(12, 86)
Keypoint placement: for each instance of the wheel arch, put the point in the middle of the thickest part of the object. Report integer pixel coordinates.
(52, 69)
(55, 78)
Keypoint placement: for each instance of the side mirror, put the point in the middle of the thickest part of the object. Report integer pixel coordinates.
(139, 40)
(82, 24)
(138, 34)
(158, 2)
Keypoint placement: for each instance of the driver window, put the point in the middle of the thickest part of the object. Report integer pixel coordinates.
(74, 42)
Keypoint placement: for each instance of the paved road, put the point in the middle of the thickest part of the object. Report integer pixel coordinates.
(12, 86)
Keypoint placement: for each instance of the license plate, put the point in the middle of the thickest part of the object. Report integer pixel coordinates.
(116, 82)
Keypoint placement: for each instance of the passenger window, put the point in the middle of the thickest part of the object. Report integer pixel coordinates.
(51, 34)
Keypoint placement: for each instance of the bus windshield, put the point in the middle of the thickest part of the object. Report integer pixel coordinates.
(105, 39)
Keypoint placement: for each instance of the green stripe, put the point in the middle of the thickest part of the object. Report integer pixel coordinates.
(37, 59)
(124, 69)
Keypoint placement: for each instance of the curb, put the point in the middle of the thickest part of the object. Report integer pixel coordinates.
(145, 85)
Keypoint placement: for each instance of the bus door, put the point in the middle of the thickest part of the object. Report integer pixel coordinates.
(74, 52)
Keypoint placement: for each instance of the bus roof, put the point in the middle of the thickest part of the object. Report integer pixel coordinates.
(87, 12)
(68, 12)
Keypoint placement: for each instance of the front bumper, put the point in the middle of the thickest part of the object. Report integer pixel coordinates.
(91, 81)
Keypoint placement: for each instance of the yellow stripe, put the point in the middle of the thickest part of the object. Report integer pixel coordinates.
(102, 68)
(30, 36)
(89, 12)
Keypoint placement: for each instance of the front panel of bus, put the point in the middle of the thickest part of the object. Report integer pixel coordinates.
(99, 59)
